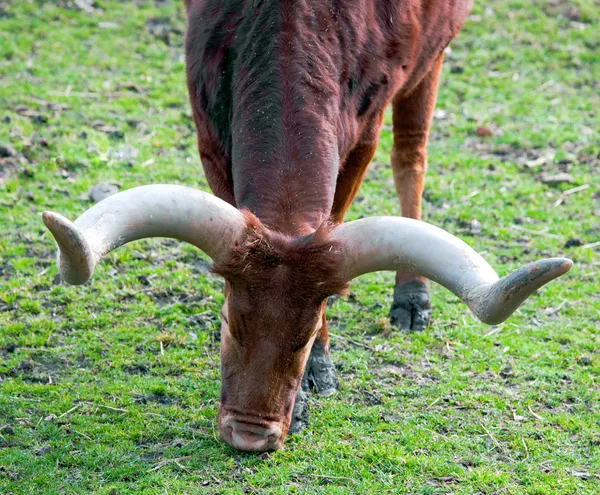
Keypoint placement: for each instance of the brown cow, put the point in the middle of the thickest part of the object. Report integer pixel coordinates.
(288, 99)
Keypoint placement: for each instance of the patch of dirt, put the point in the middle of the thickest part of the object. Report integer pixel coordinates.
(7, 151)
(107, 129)
(505, 152)
(6, 473)
(10, 159)
(442, 480)
(392, 370)
(152, 456)
(82, 362)
(172, 251)
(573, 242)
(6, 166)
(199, 266)
(102, 191)
(536, 160)
(168, 297)
(45, 369)
(205, 320)
(4, 306)
(9, 349)
(34, 115)
(370, 397)
(136, 369)
(158, 398)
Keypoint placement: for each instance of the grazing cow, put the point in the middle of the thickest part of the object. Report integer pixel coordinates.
(288, 99)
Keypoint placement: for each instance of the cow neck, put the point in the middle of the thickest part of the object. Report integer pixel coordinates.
(284, 145)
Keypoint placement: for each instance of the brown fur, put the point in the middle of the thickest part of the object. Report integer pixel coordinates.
(287, 95)
(305, 266)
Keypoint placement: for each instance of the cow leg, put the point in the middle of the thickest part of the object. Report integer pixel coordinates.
(319, 374)
(354, 169)
(411, 308)
(322, 377)
(299, 413)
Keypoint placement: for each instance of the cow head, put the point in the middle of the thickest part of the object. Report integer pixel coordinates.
(277, 285)
(275, 295)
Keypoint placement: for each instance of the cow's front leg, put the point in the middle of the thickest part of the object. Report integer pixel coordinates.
(411, 308)
(299, 413)
(319, 376)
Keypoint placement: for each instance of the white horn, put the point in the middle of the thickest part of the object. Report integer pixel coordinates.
(189, 215)
(411, 246)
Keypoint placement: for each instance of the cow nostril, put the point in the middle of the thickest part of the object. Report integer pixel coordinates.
(246, 440)
(226, 432)
(250, 437)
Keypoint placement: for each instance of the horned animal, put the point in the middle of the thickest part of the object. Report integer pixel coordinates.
(288, 98)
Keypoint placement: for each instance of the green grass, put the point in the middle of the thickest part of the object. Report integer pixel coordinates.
(90, 404)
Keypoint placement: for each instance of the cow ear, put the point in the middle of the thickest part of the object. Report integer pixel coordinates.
(412, 246)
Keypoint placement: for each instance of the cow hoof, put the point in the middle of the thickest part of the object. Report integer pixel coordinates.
(319, 374)
(411, 309)
(299, 413)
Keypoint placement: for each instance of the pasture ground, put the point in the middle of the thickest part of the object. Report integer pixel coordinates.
(112, 388)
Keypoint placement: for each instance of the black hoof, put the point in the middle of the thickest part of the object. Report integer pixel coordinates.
(411, 309)
(299, 413)
(319, 375)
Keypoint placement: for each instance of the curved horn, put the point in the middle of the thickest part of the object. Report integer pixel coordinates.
(196, 217)
(412, 246)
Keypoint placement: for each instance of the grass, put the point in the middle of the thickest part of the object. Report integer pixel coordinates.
(112, 388)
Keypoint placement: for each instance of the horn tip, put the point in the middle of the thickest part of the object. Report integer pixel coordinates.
(75, 260)
(494, 303)
(565, 264)
(48, 218)
(55, 222)
(550, 268)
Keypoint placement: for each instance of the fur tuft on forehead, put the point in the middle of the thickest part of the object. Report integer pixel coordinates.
(300, 267)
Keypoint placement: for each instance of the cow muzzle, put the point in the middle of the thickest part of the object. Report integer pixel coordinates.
(250, 436)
